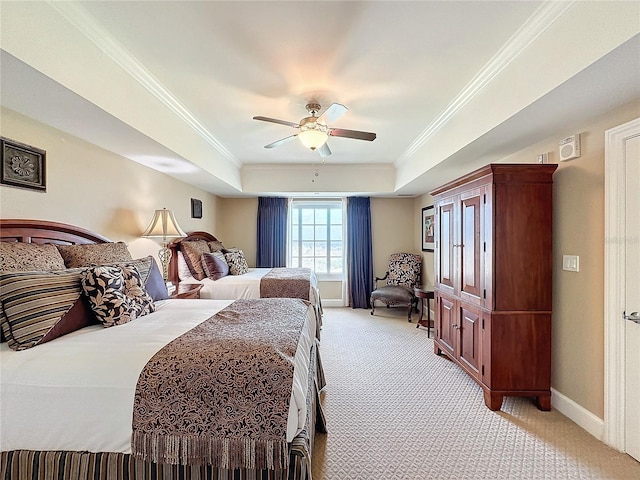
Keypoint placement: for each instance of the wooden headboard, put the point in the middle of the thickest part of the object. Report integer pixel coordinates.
(175, 247)
(42, 231)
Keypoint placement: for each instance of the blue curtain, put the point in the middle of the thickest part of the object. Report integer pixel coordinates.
(272, 232)
(360, 257)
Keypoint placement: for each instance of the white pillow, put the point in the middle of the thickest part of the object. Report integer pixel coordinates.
(184, 274)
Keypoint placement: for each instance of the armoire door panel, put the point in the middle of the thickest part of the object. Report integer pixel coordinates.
(446, 317)
(446, 240)
(470, 246)
(470, 331)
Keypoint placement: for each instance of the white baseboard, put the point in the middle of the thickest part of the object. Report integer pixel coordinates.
(580, 415)
(333, 302)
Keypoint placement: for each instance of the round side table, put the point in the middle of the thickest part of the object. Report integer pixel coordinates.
(423, 292)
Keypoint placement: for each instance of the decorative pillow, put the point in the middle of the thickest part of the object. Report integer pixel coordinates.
(22, 257)
(404, 269)
(116, 293)
(151, 277)
(215, 246)
(192, 252)
(40, 306)
(237, 263)
(94, 254)
(215, 266)
(184, 273)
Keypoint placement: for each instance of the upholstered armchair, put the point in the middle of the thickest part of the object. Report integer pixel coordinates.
(403, 274)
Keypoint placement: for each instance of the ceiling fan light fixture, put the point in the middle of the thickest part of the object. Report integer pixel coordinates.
(313, 138)
(313, 131)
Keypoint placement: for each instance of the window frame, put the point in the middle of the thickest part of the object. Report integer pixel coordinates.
(328, 204)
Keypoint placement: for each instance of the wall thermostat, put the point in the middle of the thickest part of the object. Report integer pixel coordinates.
(569, 147)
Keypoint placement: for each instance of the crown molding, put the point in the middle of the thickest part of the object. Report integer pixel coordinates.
(536, 25)
(77, 16)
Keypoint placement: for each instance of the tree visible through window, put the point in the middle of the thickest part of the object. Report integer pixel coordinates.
(316, 239)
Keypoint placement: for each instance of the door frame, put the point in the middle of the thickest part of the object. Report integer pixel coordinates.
(614, 281)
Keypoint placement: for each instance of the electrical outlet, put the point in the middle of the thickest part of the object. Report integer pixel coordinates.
(543, 158)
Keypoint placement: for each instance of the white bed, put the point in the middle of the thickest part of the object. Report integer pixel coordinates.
(77, 392)
(229, 287)
(242, 286)
(70, 391)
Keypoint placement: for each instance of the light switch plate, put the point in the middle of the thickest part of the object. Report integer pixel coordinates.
(571, 263)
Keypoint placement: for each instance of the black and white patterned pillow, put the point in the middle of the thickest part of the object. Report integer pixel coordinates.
(236, 261)
(116, 294)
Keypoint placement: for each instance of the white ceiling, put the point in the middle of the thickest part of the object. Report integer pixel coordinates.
(446, 86)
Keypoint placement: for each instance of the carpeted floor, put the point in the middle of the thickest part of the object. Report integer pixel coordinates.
(396, 411)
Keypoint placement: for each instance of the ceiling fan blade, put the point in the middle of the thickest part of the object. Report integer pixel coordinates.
(341, 132)
(275, 120)
(331, 114)
(277, 143)
(324, 150)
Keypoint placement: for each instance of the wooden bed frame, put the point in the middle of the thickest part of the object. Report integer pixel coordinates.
(174, 248)
(41, 231)
(106, 466)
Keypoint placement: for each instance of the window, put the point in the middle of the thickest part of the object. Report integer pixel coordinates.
(316, 237)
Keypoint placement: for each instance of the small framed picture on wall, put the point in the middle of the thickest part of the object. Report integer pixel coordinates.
(428, 241)
(196, 208)
(23, 166)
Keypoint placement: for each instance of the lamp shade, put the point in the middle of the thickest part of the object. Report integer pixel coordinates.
(313, 138)
(164, 225)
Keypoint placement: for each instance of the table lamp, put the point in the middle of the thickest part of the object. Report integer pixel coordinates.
(164, 225)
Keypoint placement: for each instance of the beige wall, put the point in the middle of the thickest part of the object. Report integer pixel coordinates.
(237, 225)
(392, 230)
(98, 190)
(428, 272)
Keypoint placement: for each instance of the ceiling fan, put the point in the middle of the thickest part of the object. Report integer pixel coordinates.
(314, 131)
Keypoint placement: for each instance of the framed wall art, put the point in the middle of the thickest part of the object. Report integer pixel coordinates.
(196, 208)
(428, 241)
(23, 166)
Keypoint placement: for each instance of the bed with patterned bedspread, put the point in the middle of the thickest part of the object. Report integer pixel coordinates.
(179, 389)
(200, 258)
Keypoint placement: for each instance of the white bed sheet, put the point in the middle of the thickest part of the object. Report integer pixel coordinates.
(246, 285)
(76, 392)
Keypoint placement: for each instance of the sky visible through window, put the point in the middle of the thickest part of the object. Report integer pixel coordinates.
(316, 237)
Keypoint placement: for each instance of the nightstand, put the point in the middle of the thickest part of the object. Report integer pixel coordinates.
(187, 290)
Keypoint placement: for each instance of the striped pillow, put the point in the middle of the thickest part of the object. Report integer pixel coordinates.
(40, 306)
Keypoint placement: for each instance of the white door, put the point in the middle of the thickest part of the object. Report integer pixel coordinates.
(622, 288)
(632, 297)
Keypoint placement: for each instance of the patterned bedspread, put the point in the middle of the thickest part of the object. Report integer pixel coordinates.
(220, 393)
(286, 283)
